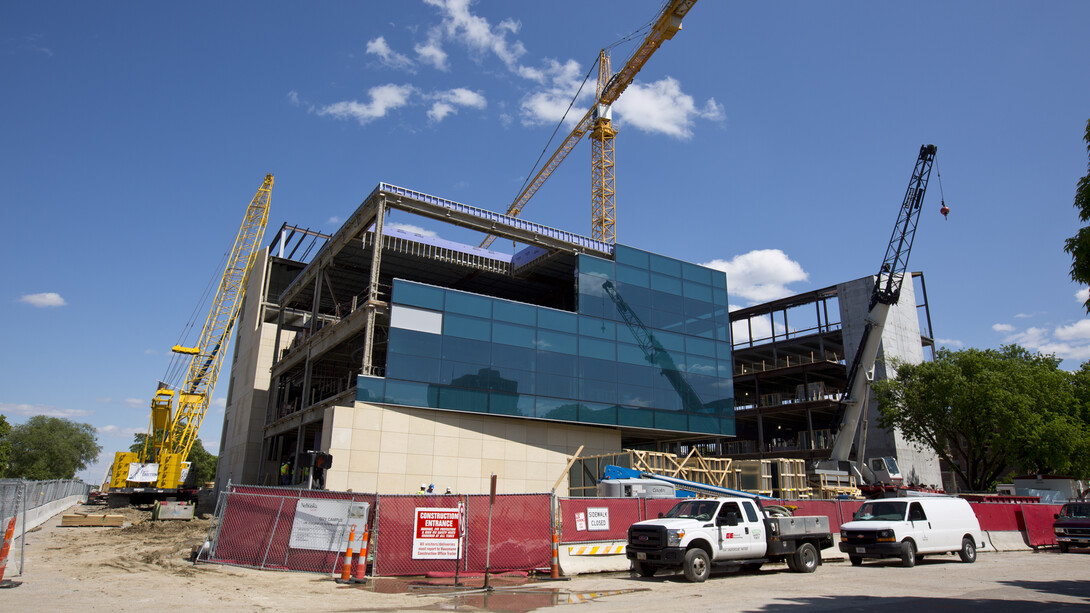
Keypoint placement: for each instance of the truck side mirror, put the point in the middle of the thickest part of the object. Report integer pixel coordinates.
(1055, 516)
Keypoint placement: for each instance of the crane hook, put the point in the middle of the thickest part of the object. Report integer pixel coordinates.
(945, 210)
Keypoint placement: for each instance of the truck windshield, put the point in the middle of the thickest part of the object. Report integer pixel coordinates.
(1076, 511)
(702, 510)
(881, 511)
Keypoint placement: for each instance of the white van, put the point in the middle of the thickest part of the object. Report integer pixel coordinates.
(910, 528)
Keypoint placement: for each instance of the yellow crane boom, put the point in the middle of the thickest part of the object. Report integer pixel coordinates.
(171, 431)
(603, 213)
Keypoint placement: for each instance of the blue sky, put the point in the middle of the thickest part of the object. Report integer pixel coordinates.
(774, 140)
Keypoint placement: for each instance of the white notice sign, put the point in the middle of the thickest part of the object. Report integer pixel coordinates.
(581, 522)
(598, 519)
(436, 536)
(324, 525)
(143, 473)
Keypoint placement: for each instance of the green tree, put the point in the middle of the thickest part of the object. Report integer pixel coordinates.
(986, 412)
(51, 448)
(5, 445)
(1079, 245)
(202, 465)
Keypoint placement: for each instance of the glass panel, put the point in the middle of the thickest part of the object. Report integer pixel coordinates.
(699, 291)
(638, 277)
(665, 265)
(464, 374)
(632, 374)
(594, 348)
(504, 310)
(719, 296)
(598, 413)
(665, 398)
(557, 363)
(600, 370)
(668, 320)
(421, 320)
(635, 395)
(506, 356)
(468, 304)
(670, 421)
(467, 327)
(692, 272)
(513, 334)
(466, 349)
(671, 342)
(557, 320)
(557, 342)
(666, 284)
(407, 292)
(632, 257)
(408, 393)
(597, 305)
(598, 391)
(511, 380)
(555, 408)
(700, 365)
(635, 417)
(370, 389)
(463, 400)
(700, 346)
(511, 404)
(412, 368)
(726, 425)
(548, 384)
(590, 265)
(703, 423)
(414, 343)
(633, 295)
(597, 328)
(631, 354)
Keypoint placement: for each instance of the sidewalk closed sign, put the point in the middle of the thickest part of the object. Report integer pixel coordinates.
(598, 519)
(436, 534)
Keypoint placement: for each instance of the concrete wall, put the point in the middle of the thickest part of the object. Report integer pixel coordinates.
(248, 393)
(392, 450)
(900, 340)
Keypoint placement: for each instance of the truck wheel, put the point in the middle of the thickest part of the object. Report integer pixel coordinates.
(908, 554)
(697, 565)
(856, 560)
(1064, 547)
(806, 558)
(968, 551)
(644, 569)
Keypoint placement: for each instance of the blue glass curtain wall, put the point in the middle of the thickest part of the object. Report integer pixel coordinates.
(649, 347)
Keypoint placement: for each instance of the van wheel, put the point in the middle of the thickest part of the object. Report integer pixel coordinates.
(856, 560)
(908, 554)
(697, 565)
(644, 569)
(806, 558)
(968, 551)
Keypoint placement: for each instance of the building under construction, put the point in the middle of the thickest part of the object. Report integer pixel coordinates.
(428, 361)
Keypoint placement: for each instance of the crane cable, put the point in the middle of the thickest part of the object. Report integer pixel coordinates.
(179, 364)
(546, 148)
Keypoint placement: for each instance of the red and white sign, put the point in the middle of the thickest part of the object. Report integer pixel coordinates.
(436, 535)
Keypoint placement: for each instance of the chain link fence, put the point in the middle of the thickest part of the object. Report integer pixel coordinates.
(307, 531)
(31, 503)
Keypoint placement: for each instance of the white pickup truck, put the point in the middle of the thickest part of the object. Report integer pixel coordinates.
(697, 533)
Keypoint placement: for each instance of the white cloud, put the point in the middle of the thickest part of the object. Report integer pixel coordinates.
(115, 431)
(949, 342)
(411, 229)
(43, 300)
(293, 97)
(760, 326)
(137, 402)
(431, 52)
(333, 220)
(150, 352)
(1022, 316)
(478, 35)
(389, 57)
(1003, 327)
(384, 99)
(219, 404)
(661, 107)
(760, 275)
(448, 102)
(1083, 295)
(30, 410)
(549, 105)
(1078, 331)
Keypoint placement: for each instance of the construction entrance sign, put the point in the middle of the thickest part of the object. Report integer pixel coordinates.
(437, 534)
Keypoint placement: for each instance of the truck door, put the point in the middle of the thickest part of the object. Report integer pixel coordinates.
(921, 528)
(737, 534)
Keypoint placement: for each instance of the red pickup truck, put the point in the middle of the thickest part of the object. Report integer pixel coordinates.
(1072, 526)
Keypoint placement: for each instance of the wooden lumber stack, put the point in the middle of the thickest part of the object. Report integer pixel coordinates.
(83, 520)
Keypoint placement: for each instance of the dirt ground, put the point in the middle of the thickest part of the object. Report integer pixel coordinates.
(146, 565)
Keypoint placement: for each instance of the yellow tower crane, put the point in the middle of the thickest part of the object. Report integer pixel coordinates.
(172, 430)
(597, 121)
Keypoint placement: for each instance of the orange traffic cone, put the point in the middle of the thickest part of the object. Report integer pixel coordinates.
(361, 566)
(8, 535)
(346, 568)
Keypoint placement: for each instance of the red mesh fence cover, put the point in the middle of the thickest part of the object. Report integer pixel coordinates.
(1038, 520)
(521, 534)
(620, 512)
(256, 524)
(653, 506)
